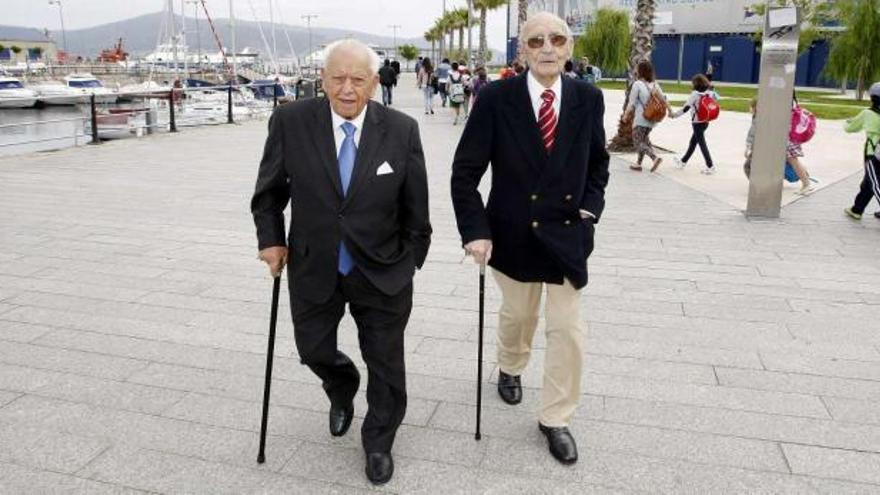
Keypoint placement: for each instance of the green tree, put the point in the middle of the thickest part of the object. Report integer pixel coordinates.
(854, 53)
(408, 52)
(640, 49)
(522, 15)
(432, 37)
(606, 41)
(484, 6)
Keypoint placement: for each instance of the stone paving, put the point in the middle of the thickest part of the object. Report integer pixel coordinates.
(722, 354)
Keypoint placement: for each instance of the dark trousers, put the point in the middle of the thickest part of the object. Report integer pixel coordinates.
(699, 138)
(870, 187)
(381, 320)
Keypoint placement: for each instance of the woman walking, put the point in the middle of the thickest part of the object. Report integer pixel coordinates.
(457, 82)
(699, 121)
(428, 84)
(640, 95)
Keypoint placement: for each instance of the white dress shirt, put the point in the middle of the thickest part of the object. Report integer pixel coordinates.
(536, 89)
(339, 134)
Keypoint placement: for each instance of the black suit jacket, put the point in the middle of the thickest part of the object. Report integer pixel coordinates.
(383, 219)
(532, 213)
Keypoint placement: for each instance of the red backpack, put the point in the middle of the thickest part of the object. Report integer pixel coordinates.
(708, 108)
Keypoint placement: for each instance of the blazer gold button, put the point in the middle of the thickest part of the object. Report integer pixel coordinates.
(568, 197)
(535, 225)
(534, 197)
(568, 222)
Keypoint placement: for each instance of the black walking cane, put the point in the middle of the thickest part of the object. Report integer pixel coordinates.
(477, 435)
(273, 319)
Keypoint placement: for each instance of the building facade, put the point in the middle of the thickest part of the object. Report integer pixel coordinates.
(692, 35)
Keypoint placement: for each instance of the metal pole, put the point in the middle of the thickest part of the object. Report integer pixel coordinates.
(470, 50)
(234, 51)
(442, 37)
(394, 28)
(61, 18)
(308, 18)
(183, 37)
(94, 109)
(273, 320)
(229, 104)
(172, 123)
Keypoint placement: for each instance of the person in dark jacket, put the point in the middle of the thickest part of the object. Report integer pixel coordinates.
(544, 136)
(387, 79)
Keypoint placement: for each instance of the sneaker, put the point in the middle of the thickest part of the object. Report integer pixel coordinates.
(679, 163)
(656, 165)
(708, 171)
(855, 216)
(877, 215)
(804, 190)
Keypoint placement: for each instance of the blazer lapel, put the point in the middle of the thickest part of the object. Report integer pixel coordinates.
(325, 144)
(568, 127)
(372, 136)
(525, 125)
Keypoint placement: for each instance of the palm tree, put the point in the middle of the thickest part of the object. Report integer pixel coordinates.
(460, 19)
(642, 46)
(522, 10)
(485, 6)
(431, 36)
(439, 30)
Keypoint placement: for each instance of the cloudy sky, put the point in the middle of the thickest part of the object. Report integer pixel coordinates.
(374, 16)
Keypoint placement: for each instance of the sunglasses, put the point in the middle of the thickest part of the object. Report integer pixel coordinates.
(556, 40)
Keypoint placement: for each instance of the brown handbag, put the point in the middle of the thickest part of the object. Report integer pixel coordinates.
(655, 109)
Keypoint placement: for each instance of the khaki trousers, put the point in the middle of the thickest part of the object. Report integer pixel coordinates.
(563, 359)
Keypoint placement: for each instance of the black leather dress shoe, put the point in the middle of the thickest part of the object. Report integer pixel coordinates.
(340, 419)
(562, 444)
(509, 388)
(379, 467)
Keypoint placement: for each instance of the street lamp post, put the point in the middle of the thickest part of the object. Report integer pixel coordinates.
(308, 18)
(61, 17)
(394, 28)
(470, 8)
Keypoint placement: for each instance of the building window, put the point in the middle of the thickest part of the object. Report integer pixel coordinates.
(35, 53)
(6, 54)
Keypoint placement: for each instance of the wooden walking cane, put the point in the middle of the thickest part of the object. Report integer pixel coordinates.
(273, 319)
(477, 435)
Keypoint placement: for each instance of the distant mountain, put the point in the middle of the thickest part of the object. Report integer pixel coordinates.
(141, 34)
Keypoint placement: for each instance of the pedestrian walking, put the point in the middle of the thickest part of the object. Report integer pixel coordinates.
(457, 83)
(536, 231)
(645, 93)
(388, 79)
(794, 146)
(569, 70)
(703, 107)
(480, 80)
(868, 120)
(428, 82)
(442, 73)
(468, 81)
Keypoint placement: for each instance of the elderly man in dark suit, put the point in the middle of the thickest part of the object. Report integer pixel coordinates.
(355, 176)
(544, 136)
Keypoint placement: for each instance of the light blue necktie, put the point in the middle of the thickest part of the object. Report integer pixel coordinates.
(347, 154)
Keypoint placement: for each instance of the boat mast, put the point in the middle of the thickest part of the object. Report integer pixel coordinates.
(234, 51)
(183, 38)
(173, 32)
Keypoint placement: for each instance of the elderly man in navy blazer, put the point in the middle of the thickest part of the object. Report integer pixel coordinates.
(543, 135)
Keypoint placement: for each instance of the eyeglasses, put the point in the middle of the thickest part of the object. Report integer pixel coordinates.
(556, 40)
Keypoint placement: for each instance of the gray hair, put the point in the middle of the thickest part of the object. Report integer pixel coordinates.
(354, 44)
(546, 15)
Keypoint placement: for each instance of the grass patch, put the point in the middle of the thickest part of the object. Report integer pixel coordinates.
(822, 111)
(732, 93)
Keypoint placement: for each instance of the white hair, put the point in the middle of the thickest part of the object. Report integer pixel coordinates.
(548, 16)
(354, 44)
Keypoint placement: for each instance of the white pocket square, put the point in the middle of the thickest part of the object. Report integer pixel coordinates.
(384, 169)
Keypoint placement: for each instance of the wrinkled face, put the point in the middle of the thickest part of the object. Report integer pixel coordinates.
(546, 45)
(349, 81)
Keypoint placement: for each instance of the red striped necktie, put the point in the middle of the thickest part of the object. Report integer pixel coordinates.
(547, 119)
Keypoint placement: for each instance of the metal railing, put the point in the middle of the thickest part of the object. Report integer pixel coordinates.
(167, 110)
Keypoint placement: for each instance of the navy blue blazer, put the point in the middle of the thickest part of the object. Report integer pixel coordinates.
(532, 214)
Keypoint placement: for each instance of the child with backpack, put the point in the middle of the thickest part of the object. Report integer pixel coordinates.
(704, 108)
(788, 174)
(803, 126)
(869, 121)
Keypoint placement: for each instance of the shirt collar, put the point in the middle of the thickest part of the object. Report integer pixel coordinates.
(358, 121)
(536, 88)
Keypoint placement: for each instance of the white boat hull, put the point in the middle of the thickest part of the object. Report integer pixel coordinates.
(24, 102)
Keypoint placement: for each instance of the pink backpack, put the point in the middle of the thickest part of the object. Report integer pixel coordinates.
(803, 125)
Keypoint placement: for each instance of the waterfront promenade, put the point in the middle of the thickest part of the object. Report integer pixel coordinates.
(722, 354)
